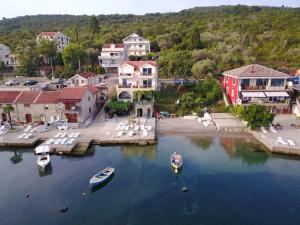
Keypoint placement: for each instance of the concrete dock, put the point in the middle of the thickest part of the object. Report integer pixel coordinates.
(102, 132)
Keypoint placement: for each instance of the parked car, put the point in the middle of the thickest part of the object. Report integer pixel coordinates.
(178, 81)
(165, 114)
(30, 83)
(12, 83)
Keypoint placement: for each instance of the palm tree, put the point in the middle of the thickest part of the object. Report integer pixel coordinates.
(7, 109)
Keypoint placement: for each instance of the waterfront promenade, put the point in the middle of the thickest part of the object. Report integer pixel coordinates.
(104, 132)
(100, 132)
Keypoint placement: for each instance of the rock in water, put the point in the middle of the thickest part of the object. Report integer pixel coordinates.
(184, 189)
(27, 195)
(63, 209)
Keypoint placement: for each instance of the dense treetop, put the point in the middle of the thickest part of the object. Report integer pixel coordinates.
(228, 36)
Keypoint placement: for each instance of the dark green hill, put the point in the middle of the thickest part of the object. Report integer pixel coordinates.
(230, 35)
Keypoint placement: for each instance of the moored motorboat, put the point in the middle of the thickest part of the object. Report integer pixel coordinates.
(176, 161)
(43, 155)
(102, 176)
(43, 160)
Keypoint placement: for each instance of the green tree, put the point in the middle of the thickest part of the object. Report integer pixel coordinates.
(47, 49)
(73, 55)
(27, 66)
(257, 116)
(204, 68)
(93, 26)
(8, 109)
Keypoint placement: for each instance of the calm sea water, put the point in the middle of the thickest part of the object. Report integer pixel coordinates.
(230, 181)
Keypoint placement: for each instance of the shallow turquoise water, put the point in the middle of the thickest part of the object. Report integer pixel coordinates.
(230, 182)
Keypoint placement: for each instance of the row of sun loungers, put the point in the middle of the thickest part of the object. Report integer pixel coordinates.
(25, 136)
(63, 135)
(287, 142)
(131, 133)
(63, 141)
(62, 127)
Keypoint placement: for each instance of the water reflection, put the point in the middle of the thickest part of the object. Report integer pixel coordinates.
(132, 151)
(246, 150)
(45, 171)
(102, 185)
(202, 142)
(16, 158)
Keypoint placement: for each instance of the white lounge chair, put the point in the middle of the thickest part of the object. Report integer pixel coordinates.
(263, 130)
(136, 128)
(70, 135)
(76, 135)
(291, 142)
(64, 135)
(145, 133)
(148, 128)
(27, 136)
(64, 141)
(28, 128)
(22, 136)
(273, 130)
(130, 133)
(281, 141)
(120, 133)
(57, 142)
(50, 142)
(57, 135)
(2, 128)
(70, 141)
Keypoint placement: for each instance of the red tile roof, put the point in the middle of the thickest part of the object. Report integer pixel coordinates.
(255, 70)
(93, 89)
(86, 75)
(27, 97)
(72, 93)
(49, 34)
(8, 96)
(139, 63)
(117, 45)
(48, 97)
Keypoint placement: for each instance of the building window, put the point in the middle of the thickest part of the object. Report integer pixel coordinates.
(233, 81)
(277, 82)
(82, 81)
(226, 79)
(46, 107)
(89, 98)
(0, 105)
(26, 105)
(90, 110)
(232, 93)
(147, 71)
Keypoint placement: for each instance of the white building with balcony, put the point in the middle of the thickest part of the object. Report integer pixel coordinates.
(136, 45)
(137, 76)
(5, 54)
(111, 56)
(61, 39)
(134, 76)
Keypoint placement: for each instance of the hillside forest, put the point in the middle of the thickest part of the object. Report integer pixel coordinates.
(196, 42)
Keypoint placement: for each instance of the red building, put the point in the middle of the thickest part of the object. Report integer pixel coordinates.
(257, 84)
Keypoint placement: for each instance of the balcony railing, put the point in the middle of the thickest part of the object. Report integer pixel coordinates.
(262, 87)
(136, 87)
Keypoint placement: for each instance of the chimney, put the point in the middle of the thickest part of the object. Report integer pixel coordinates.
(252, 68)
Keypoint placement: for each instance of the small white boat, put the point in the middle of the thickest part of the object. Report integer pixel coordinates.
(176, 161)
(43, 156)
(43, 160)
(102, 176)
